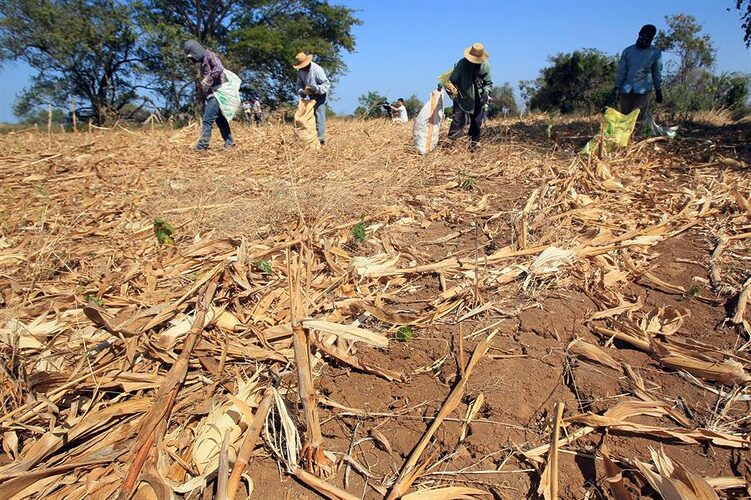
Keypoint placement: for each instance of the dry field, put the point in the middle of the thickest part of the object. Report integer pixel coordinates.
(362, 322)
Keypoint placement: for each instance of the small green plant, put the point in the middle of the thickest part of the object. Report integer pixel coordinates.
(358, 230)
(163, 231)
(264, 266)
(93, 298)
(466, 181)
(405, 333)
(694, 291)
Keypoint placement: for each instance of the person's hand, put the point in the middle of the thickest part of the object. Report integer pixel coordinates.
(658, 96)
(308, 90)
(301, 92)
(206, 83)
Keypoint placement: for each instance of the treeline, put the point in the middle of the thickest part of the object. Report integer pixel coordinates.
(117, 58)
(582, 81)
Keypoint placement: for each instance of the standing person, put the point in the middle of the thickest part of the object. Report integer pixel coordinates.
(312, 83)
(472, 80)
(257, 112)
(399, 112)
(639, 71)
(212, 75)
(246, 111)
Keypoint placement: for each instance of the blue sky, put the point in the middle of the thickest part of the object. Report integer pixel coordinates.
(404, 45)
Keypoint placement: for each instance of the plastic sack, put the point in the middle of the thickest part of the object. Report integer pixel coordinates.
(669, 132)
(427, 127)
(228, 95)
(305, 123)
(615, 131)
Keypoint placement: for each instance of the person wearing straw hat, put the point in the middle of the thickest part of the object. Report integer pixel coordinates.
(471, 77)
(312, 83)
(212, 75)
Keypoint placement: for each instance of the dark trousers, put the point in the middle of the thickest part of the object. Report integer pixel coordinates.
(212, 114)
(459, 118)
(629, 102)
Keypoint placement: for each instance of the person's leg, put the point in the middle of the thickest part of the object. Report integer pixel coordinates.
(224, 129)
(626, 103)
(475, 124)
(457, 122)
(320, 111)
(210, 114)
(641, 101)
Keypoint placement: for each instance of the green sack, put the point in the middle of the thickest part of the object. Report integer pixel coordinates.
(228, 95)
(615, 130)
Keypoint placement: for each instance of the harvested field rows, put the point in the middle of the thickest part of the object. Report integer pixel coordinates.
(364, 322)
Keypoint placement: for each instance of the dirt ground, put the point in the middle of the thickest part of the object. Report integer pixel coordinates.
(106, 187)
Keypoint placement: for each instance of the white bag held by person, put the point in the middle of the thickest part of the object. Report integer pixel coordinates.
(228, 95)
(427, 127)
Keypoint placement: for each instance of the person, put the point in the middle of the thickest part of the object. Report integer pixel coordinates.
(399, 112)
(246, 111)
(486, 110)
(212, 75)
(639, 71)
(312, 83)
(472, 82)
(257, 112)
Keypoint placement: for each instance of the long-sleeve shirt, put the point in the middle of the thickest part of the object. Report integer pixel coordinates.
(639, 70)
(212, 72)
(470, 78)
(315, 78)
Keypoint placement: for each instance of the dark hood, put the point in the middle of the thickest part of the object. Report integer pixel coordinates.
(194, 50)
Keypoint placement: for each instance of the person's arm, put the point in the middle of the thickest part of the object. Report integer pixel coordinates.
(215, 69)
(620, 76)
(657, 71)
(322, 84)
(299, 84)
(487, 80)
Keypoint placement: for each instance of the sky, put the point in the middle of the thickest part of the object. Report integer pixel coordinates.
(404, 45)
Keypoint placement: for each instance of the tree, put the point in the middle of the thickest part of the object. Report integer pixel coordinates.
(694, 51)
(370, 105)
(689, 80)
(257, 39)
(502, 98)
(82, 49)
(413, 105)
(581, 81)
(745, 19)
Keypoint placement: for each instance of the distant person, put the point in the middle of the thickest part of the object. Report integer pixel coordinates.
(246, 111)
(312, 83)
(486, 110)
(399, 112)
(639, 71)
(472, 81)
(257, 112)
(212, 75)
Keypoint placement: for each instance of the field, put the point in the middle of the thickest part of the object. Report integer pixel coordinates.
(367, 320)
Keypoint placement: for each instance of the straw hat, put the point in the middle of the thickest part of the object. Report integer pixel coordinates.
(302, 60)
(476, 53)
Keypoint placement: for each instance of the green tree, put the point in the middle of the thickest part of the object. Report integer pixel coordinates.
(581, 81)
(258, 39)
(695, 51)
(502, 98)
(744, 6)
(82, 49)
(370, 105)
(413, 105)
(688, 78)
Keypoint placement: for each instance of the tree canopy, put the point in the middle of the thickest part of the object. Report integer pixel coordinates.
(109, 53)
(502, 101)
(581, 81)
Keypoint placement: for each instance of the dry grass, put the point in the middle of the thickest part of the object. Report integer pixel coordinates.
(96, 314)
